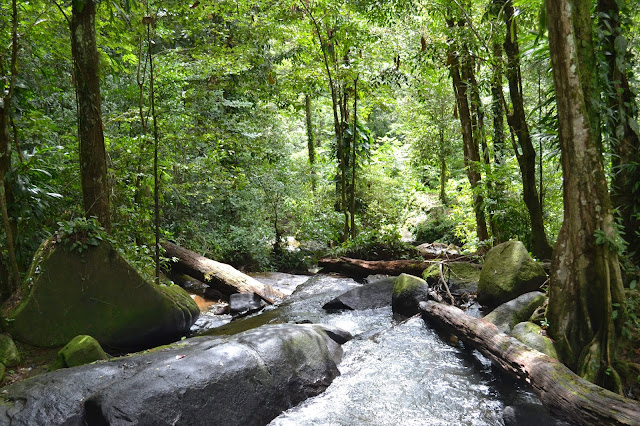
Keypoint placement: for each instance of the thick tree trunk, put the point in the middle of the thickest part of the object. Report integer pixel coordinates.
(93, 162)
(585, 277)
(471, 150)
(359, 268)
(219, 276)
(564, 393)
(518, 121)
(625, 143)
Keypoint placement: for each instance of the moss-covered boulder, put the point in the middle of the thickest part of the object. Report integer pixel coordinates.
(507, 315)
(80, 350)
(532, 335)
(96, 292)
(408, 292)
(462, 277)
(9, 355)
(508, 272)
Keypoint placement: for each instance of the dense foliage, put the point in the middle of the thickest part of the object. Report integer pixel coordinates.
(237, 179)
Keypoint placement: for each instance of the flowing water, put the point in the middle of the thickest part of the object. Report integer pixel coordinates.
(398, 372)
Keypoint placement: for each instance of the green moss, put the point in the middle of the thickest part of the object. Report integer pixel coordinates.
(9, 355)
(79, 351)
(508, 272)
(532, 335)
(407, 283)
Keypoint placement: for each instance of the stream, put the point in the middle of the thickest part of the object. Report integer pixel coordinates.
(397, 371)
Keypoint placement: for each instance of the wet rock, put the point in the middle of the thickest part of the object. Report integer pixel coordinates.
(529, 414)
(462, 277)
(9, 355)
(507, 315)
(244, 303)
(408, 292)
(367, 296)
(532, 335)
(79, 351)
(508, 272)
(95, 292)
(246, 379)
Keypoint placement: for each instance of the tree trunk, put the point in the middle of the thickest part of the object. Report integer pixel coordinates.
(352, 191)
(219, 276)
(358, 268)
(442, 154)
(6, 95)
(93, 163)
(498, 132)
(585, 277)
(471, 152)
(625, 143)
(564, 393)
(310, 140)
(518, 121)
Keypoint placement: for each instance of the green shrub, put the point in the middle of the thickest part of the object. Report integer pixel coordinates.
(377, 245)
(437, 227)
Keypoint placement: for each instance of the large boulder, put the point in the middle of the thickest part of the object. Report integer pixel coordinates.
(462, 277)
(520, 309)
(408, 292)
(532, 335)
(95, 292)
(368, 296)
(247, 379)
(508, 272)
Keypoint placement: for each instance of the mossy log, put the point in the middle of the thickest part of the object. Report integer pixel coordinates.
(220, 276)
(363, 268)
(564, 393)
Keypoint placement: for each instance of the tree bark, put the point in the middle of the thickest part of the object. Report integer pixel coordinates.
(359, 268)
(564, 393)
(517, 119)
(311, 146)
(625, 143)
(585, 277)
(471, 151)
(93, 162)
(6, 95)
(219, 276)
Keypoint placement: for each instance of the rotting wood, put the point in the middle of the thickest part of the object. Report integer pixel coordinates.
(220, 276)
(564, 393)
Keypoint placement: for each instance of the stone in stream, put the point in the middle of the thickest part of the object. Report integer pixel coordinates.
(408, 292)
(244, 303)
(520, 309)
(532, 335)
(462, 277)
(95, 292)
(246, 379)
(367, 296)
(508, 272)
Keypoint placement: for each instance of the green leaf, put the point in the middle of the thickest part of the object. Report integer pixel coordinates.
(633, 284)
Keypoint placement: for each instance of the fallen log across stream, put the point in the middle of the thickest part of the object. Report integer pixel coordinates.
(358, 268)
(220, 276)
(563, 392)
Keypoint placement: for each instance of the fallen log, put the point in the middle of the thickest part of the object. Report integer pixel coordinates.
(220, 276)
(359, 268)
(564, 393)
